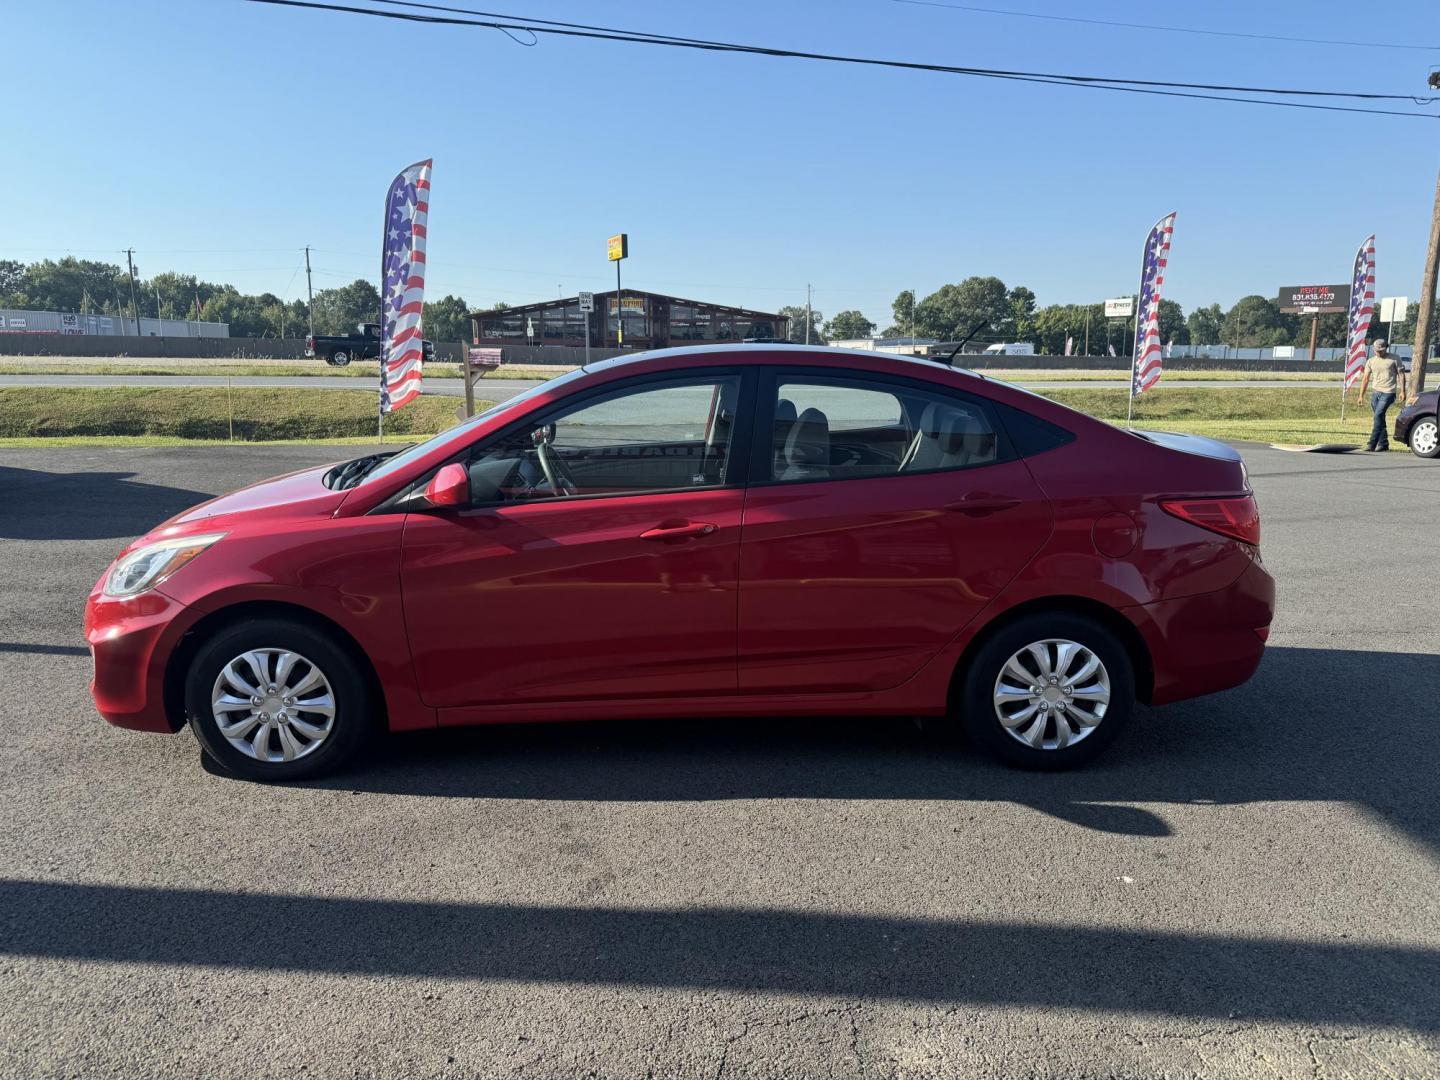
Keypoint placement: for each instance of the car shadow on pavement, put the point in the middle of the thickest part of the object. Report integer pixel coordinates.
(767, 950)
(84, 505)
(1312, 725)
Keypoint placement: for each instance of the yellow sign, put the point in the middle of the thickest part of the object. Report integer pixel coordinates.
(618, 247)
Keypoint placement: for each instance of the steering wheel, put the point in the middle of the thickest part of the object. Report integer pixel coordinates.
(557, 473)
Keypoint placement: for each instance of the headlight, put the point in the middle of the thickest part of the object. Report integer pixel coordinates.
(146, 567)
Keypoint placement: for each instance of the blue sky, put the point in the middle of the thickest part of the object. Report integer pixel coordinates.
(219, 137)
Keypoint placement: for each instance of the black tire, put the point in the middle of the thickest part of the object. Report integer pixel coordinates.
(339, 358)
(350, 729)
(1430, 438)
(976, 699)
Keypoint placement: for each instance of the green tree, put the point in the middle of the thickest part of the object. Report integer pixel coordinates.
(70, 284)
(1173, 330)
(1256, 321)
(12, 282)
(847, 325)
(902, 309)
(1056, 322)
(952, 311)
(796, 314)
(1020, 324)
(1205, 325)
(337, 311)
(447, 319)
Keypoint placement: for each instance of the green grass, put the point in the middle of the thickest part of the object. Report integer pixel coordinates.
(1287, 415)
(1111, 374)
(274, 369)
(1203, 403)
(158, 416)
(187, 413)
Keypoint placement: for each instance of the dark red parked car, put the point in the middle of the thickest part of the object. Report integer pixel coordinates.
(710, 531)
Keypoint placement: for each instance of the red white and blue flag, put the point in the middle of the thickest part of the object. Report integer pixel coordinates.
(1362, 310)
(1149, 356)
(402, 287)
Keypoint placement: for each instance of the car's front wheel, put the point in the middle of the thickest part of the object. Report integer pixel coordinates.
(1048, 691)
(1425, 437)
(271, 699)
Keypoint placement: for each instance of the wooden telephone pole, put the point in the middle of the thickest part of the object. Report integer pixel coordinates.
(1424, 319)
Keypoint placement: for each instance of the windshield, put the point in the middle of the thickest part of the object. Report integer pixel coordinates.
(457, 434)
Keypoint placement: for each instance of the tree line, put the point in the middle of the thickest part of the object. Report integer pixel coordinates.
(996, 312)
(985, 305)
(90, 287)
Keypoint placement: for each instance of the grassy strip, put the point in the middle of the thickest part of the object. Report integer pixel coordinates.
(158, 416)
(365, 369)
(1121, 374)
(273, 369)
(1204, 403)
(205, 413)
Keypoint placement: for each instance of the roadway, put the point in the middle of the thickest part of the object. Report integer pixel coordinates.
(1245, 885)
(500, 389)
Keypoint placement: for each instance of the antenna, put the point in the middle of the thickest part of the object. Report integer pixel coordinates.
(950, 360)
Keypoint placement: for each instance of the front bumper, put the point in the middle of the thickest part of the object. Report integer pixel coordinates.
(130, 642)
(1405, 420)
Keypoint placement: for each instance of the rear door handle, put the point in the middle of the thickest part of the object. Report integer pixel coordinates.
(690, 530)
(983, 503)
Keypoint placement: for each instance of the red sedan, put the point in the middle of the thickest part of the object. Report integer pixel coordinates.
(716, 531)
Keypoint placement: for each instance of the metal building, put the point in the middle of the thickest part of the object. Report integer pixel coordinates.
(66, 322)
(652, 321)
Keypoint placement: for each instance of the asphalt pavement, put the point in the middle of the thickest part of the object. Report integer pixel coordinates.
(501, 389)
(1244, 885)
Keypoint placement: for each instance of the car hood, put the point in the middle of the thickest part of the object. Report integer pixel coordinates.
(294, 495)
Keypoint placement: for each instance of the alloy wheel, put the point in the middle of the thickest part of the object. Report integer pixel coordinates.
(1424, 436)
(1051, 694)
(273, 705)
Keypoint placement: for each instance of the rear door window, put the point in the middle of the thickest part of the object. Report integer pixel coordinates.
(837, 428)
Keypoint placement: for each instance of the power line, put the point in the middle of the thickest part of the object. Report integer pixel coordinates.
(1143, 86)
(1153, 26)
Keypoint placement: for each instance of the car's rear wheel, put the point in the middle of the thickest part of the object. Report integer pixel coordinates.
(272, 699)
(1048, 691)
(1425, 437)
(339, 358)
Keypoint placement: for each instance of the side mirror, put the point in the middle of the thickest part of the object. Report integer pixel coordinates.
(448, 487)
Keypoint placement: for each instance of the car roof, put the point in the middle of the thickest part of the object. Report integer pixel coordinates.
(798, 352)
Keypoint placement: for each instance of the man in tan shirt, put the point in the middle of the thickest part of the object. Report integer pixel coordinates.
(1384, 375)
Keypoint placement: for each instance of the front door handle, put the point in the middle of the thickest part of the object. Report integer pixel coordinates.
(689, 530)
(982, 503)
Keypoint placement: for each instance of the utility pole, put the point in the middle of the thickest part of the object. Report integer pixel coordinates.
(134, 306)
(1425, 318)
(807, 314)
(309, 291)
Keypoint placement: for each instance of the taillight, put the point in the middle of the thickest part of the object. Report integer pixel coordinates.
(1237, 517)
(310, 341)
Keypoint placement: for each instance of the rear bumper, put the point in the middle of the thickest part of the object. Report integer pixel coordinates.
(131, 642)
(1203, 644)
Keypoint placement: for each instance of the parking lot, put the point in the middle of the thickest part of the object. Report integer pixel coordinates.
(1244, 885)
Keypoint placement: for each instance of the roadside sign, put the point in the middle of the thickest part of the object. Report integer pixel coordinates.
(1394, 308)
(587, 302)
(1122, 307)
(618, 247)
(1314, 299)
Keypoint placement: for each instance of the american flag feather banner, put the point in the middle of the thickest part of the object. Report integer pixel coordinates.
(1149, 356)
(402, 296)
(1362, 310)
